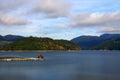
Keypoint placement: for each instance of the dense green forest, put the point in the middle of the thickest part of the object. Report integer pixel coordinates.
(34, 43)
(108, 45)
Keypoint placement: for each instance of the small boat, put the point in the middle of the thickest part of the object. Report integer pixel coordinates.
(40, 57)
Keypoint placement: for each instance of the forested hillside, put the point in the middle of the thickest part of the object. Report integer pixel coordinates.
(109, 45)
(34, 43)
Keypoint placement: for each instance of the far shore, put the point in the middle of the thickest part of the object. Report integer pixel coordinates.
(39, 50)
(51, 50)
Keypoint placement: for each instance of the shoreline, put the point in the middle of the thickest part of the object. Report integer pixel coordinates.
(40, 50)
(51, 50)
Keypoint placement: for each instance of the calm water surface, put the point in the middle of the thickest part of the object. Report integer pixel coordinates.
(83, 65)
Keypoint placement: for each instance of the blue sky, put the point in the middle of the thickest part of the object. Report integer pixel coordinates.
(59, 19)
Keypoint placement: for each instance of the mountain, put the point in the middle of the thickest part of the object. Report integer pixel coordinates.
(11, 38)
(86, 42)
(108, 45)
(34, 43)
(110, 36)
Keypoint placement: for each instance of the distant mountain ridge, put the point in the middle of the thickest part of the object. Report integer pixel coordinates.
(84, 42)
(87, 42)
(110, 36)
(10, 38)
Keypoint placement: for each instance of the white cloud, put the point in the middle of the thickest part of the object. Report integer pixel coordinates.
(9, 20)
(51, 8)
(7, 17)
(102, 23)
(109, 30)
(94, 19)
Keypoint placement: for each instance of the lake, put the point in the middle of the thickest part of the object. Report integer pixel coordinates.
(81, 65)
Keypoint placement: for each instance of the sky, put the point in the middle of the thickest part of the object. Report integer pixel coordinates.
(59, 19)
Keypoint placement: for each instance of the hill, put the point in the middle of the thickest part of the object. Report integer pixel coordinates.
(108, 45)
(86, 42)
(34, 43)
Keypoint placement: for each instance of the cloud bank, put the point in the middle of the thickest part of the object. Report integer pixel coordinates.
(109, 30)
(48, 8)
(9, 20)
(10, 5)
(51, 8)
(94, 19)
(105, 22)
